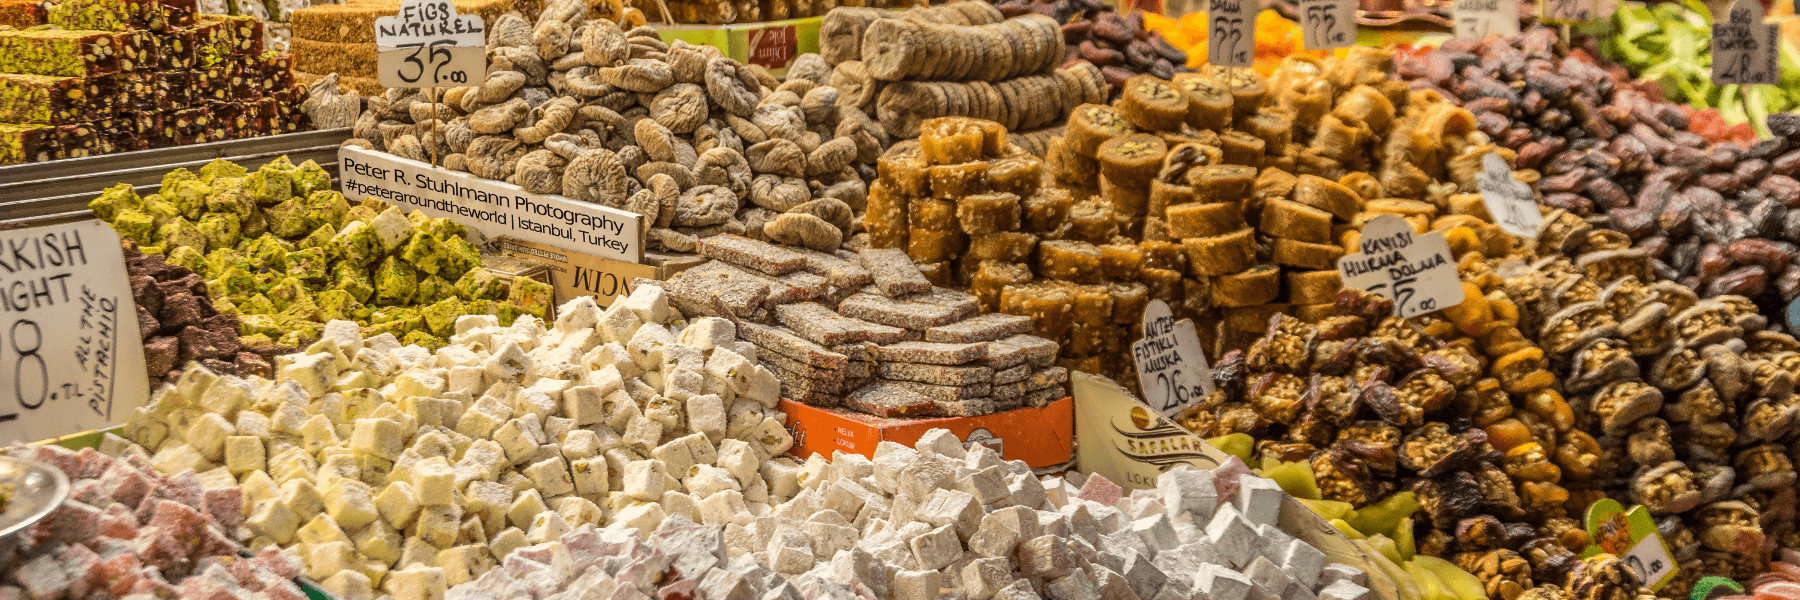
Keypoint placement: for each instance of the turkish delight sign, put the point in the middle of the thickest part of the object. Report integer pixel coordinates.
(1417, 272)
(495, 208)
(71, 359)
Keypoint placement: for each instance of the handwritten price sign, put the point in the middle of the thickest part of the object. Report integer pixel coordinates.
(1232, 24)
(1171, 368)
(1573, 12)
(71, 358)
(1743, 47)
(1327, 24)
(1476, 19)
(429, 45)
(1509, 200)
(1417, 272)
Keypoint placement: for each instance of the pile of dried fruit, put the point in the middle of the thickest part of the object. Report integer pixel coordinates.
(284, 253)
(1094, 31)
(961, 59)
(694, 141)
(1713, 217)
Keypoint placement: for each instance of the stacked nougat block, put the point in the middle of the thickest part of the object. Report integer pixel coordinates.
(869, 331)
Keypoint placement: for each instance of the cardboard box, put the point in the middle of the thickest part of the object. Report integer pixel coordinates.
(1042, 437)
(772, 44)
(1126, 442)
(576, 274)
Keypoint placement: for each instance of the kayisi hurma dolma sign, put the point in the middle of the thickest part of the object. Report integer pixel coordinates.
(71, 358)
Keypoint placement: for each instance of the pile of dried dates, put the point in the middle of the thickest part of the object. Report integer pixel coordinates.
(1712, 216)
(1095, 32)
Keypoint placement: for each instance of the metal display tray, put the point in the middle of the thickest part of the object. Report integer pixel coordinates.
(58, 191)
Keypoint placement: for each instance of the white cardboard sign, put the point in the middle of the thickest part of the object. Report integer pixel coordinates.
(1476, 19)
(1744, 47)
(1509, 200)
(1417, 272)
(1231, 40)
(1573, 12)
(429, 45)
(495, 208)
(1327, 24)
(1650, 558)
(1171, 368)
(71, 359)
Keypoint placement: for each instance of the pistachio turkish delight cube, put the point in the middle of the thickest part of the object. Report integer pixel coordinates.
(440, 318)
(329, 206)
(432, 289)
(189, 195)
(188, 257)
(396, 282)
(221, 259)
(320, 238)
(352, 279)
(60, 52)
(220, 167)
(258, 304)
(533, 297)
(310, 265)
(481, 284)
(286, 291)
(309, 177)
(222, 231)
(43, 99)
(267, 254)
(358, 244)
(336, 304)
(271, 185)
(179, 232)
(425, 253)
(233, 282)
(135, 225)
(230, 199)
(114, 199)
(290, 218)
(459, 257)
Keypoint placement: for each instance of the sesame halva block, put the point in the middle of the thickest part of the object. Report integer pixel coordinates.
(843, 273)
(964, 304)
(693, 291)
(1048, 377)
(855, 351)
(984, 328)
(789, 365)
(894, 272)
(783, 341)
(884, 399)
(942, 392)
(1018, 350)
(799, 382)
(1012, 374)
(751, 254)
(969, 407)
(1042, 398)
(798, 286)
(936, 374)
(859, 370)
(931, 353)
(1009, 391)
(905, 314)
(828, 328)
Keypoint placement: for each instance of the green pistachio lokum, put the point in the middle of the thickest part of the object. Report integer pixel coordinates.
(353, 279)
(481, 284)
(160, 211)
(230, 200)
(533, 297)
(357, 244)
(270, 185)
(232, 282)
(424, 252)
(178, 232)
(459, 257)
(258, 304)
(255, 225)
(309, 265)
(310, 178)
(329, 206)
(189, 257)
(286, 292)
(114, 199)
(189, 195)
(177, 176)
(221, 230)
(135, 225)
(267, 253)
(319, 238)
(440, 318)
(258, 324)
(337, 304)
(290, 218)
(432, 289)
(395, 282)
(220, 167)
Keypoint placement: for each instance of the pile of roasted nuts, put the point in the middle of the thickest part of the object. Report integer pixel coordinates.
(1713, 217)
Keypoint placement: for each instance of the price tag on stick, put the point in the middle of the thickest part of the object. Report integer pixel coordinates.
(429, 45)
(1171, 368)
(1573, 12)
(1327, 24)
(1509, 200)
(71, 359)
(1417, 272)
(1744, 47)
(1476, 19)
(1231, 30)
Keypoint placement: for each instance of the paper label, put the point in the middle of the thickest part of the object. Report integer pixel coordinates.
(577, 274)
(1171, 368)
(429, 45)
(495, 208)
(773, 47)
(1124, 440)
(1508, 200)
(1632, 536)
(71, 358)
(1476, 19)
(1744, 47)
(1793, 316)
(1327, 24)
(1232, 32)
(1417, 272)
(1573, 12)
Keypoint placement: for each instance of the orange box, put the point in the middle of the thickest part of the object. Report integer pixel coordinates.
(1042, 437)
